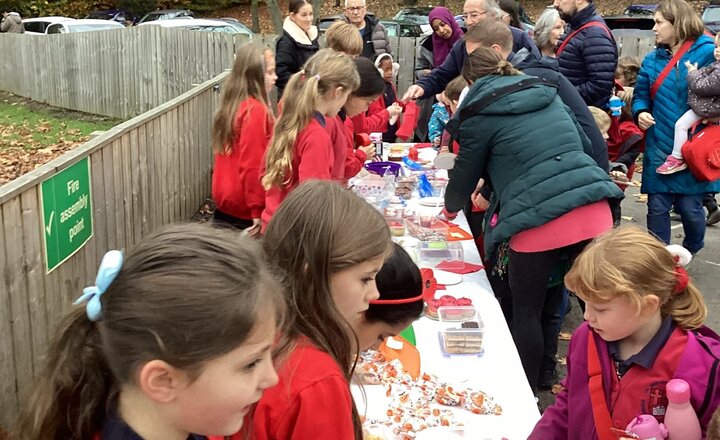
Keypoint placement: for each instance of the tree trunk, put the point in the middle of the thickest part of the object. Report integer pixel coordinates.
(275, 16)
(255, 13)
(441, 3)
(409, 3)
(337, 3)
(317, 7)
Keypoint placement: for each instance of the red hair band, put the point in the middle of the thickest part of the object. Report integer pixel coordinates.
(682, 279)
(429, 286)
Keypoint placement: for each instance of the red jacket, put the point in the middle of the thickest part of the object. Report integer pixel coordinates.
(312, 159)
(374, 120)
(236, 186)
(311, 400)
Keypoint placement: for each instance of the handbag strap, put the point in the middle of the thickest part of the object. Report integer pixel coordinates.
(594, 23)
(601, 415)
(666, 71)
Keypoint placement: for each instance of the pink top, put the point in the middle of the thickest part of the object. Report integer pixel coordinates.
(583, 223)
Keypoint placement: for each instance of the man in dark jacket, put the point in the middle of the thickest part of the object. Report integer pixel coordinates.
(495, 35)
(589, 57)
(374, 34)
(474, 11)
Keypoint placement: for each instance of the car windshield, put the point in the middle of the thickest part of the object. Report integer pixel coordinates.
(89, 27)
(153, 17)
(711, 14)
(412, 17)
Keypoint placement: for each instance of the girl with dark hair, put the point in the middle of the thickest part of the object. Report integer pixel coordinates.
(331, 245)
(349, 159)
(242, 129)
(172, 343)
(402, 287)
(298, 42)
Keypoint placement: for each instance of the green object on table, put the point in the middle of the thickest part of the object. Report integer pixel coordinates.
(409, 334)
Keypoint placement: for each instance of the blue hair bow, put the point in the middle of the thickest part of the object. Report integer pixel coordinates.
(109, 267)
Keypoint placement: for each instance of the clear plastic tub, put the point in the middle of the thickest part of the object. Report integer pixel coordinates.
(430, 228)
(463, 330)
(432, 253)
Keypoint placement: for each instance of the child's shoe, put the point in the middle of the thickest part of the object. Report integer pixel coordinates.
(672, 165)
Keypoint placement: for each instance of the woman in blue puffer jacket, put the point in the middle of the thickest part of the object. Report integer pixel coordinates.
(675, 23)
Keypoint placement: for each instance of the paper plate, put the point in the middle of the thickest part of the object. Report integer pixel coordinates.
(447, 278)
(432, 201)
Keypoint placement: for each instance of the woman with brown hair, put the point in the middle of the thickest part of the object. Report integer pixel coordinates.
(298, 42)
(549, 198)
(660, 99)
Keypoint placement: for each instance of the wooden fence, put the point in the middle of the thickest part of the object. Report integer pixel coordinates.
(150, 171)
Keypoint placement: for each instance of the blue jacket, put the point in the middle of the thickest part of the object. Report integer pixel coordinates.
(590, 58)
(436, 81)
(669, 104)
(438, 119)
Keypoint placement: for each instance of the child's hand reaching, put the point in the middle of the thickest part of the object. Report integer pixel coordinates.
(395, 110)
(691, 67)
(368, 150)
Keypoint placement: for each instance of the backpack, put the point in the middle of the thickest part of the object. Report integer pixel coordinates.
(701, 152)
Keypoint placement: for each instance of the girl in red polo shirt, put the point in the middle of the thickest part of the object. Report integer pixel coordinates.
(301, 148)
(241, 132)
(331, 245)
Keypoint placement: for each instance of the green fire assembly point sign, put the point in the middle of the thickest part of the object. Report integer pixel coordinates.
(67, 213)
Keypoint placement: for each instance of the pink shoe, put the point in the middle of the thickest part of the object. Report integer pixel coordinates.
(672, 165)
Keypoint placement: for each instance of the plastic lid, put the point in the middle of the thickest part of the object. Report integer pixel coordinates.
(678, 391)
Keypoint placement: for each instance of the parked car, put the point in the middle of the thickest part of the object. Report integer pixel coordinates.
(202, 24)
(323, 23)
(402, 28)
(641, 9)
(418, 15)
(167, 14)
(39, 25)
(83, 25)
(710, 17)
(120, 15)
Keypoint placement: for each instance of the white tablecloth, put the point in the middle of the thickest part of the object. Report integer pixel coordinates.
(497, 372)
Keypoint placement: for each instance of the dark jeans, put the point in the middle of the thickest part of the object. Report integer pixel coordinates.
(552, 322)
(690, 208)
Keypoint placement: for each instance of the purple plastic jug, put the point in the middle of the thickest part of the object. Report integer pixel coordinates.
(680, 418)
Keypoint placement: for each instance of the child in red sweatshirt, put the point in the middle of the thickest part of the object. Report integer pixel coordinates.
(301, 148)
(241, 132)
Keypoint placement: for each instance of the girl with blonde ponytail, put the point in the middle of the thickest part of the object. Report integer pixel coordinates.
(301, 148)
(644, 327)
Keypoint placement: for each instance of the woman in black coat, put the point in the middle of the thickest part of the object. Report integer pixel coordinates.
(298, 42)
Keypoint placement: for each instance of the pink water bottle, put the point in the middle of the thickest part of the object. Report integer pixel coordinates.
(646, 427)
(680, 418)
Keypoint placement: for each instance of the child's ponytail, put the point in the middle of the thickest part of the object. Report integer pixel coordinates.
(686, 304)
(300, 99)
(323, 72)
(71, 394)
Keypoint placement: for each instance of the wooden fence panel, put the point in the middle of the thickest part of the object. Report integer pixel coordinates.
(145, 173)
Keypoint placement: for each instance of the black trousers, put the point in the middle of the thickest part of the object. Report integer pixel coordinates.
(529, 306)
(223, 220)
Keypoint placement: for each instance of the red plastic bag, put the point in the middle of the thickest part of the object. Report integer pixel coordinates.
(702, 152)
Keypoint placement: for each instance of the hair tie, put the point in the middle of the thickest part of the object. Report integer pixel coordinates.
(109, 267)
(317, 77)
(429, 286)
(682, 258)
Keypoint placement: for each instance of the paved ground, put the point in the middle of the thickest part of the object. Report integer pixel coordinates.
(704, 271)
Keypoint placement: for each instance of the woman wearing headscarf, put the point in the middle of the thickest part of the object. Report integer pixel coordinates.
(433, 51)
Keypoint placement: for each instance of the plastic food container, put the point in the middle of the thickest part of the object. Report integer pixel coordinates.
(463, 331)
(432, 253)
(404, 186)
(430, 229)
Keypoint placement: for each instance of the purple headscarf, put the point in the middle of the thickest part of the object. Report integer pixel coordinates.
(441, 47)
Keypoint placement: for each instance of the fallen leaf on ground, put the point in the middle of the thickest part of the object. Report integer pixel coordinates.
(564, 336)
(562, 360)
(556, 389)
(627, 218)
